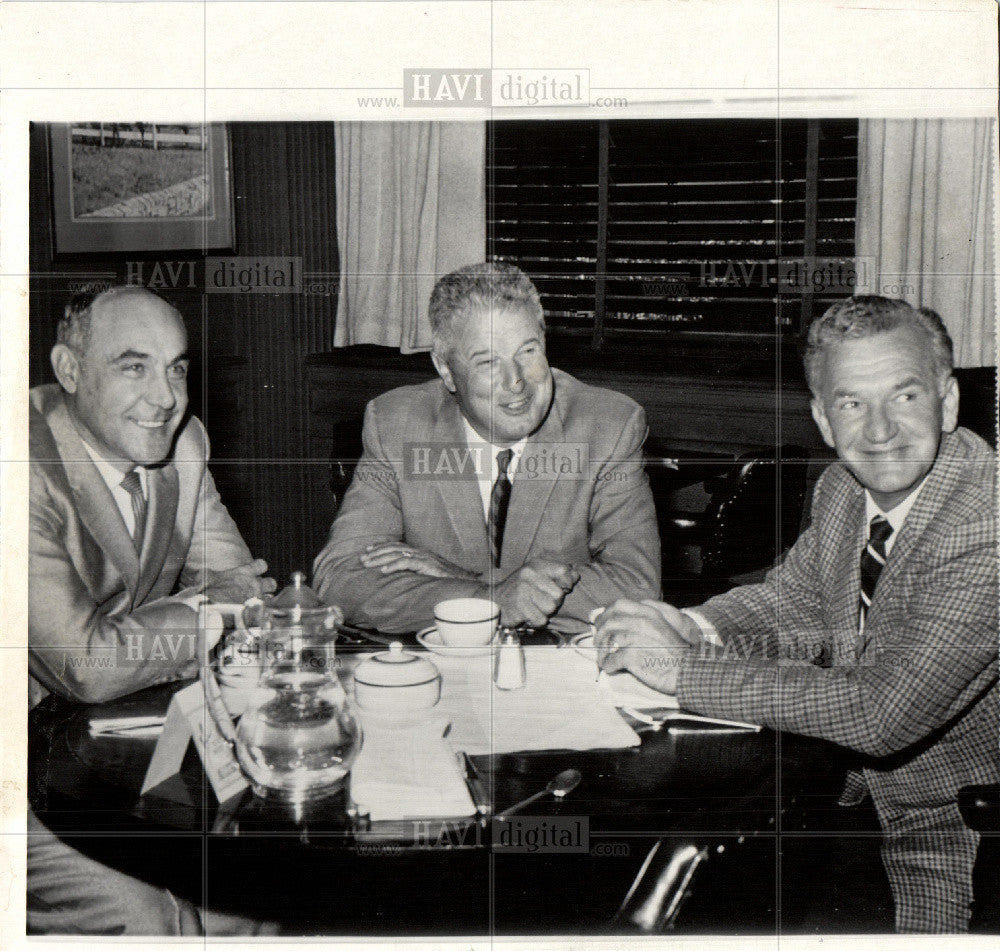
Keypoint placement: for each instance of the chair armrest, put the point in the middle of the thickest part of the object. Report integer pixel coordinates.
(664, 881)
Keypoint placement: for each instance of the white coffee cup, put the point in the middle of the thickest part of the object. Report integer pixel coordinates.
(467, 622)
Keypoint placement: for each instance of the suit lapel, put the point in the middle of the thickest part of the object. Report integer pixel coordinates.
(846, 569)
(94, 503)
(163, 495)
(935, 491)
(458, 494)
(529, 497)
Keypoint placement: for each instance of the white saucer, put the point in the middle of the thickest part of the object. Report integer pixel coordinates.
(431, 639)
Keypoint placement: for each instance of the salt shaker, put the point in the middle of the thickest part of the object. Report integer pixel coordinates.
(508, 674)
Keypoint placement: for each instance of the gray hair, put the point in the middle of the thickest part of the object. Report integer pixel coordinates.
(491, 286)
(867, 315)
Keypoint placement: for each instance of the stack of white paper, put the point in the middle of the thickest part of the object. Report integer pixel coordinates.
(409, 773)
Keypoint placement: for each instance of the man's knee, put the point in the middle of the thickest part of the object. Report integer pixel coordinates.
(930, 873)
(69, 893)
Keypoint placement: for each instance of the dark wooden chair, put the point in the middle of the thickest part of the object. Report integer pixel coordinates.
(977, 404)
(660, 888)
(753, 516)
(344, 456)
(980, 808)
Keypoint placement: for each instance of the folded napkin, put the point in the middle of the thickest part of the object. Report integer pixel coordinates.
(559, 706)
(409, 772)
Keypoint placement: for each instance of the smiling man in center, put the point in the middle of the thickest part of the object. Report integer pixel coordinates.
(504, 478)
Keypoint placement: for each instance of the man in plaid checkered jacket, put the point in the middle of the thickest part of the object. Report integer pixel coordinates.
(878, 631)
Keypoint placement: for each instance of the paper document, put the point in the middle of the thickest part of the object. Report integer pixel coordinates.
(409, 773)
(560, 706)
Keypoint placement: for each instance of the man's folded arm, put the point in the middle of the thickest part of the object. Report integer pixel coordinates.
(371, 514)
(940, 657)
(623, 536)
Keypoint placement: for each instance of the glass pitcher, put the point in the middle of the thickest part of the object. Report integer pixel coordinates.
(298, 736)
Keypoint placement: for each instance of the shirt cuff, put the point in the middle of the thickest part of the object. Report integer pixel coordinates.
(708, 631)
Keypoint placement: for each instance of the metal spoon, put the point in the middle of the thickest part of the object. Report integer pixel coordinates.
(560, 786)
(361, 635)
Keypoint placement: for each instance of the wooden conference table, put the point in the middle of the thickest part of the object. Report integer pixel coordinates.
(729, 792)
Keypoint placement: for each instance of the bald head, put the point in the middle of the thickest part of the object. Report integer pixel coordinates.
(114, 303)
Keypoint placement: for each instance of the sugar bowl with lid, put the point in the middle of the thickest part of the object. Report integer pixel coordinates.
(396, 684)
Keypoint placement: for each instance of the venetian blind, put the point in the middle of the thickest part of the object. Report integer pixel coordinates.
(688, 218)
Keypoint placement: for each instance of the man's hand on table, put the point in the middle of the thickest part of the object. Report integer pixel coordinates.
(533, 593)
(390, 557)
(236, 585)
(647, 638)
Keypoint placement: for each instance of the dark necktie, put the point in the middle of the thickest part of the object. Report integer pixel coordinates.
(133, 485)
(499, 500)
(872, 563)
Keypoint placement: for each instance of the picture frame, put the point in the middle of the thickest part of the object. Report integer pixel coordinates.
(140, 187)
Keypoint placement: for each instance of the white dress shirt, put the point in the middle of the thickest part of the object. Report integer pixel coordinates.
(113, 477)
(895, 516)
(487, 475)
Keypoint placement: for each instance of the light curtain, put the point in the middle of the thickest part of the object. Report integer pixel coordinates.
(925, 216)
(411, 206)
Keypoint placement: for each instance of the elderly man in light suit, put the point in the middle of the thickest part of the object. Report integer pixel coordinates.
(879, 630)
(503, 479)
(128, 536)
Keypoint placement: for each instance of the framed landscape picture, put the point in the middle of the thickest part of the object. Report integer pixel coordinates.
(140, 186)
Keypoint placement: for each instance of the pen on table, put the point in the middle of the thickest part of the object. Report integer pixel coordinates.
(139, 731)
(133, 726)
(480, 799)
(594, 615)
(680, 715)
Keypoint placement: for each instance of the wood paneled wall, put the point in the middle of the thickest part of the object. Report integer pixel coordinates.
(247, 381)
(284, 205)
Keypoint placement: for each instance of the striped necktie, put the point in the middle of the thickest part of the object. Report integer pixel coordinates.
(133, 485)
(499, 500)
(872, 563)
